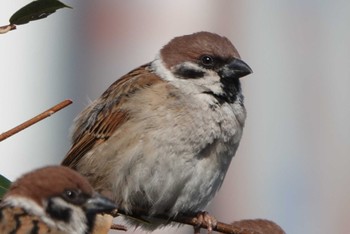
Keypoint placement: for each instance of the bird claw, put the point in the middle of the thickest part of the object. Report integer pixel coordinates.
(114, 213)
(204, 219)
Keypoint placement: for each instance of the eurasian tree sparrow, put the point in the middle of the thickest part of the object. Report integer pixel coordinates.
(162, 137)
(53, 200)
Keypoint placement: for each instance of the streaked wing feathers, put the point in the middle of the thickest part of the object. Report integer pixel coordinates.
(98, 121)
(18, 221)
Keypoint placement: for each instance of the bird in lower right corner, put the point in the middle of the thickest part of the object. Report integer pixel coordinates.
(54, 200)
(258, 226)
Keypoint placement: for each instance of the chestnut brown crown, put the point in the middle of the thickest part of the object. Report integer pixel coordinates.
(49, 182)
(189, 48)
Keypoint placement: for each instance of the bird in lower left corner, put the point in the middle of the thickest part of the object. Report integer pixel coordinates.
(54, 200)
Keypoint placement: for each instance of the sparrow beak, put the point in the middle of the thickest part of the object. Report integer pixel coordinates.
(235, 69)
(99, 204)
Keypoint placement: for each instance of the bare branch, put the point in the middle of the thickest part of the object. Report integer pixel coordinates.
(7, 28)
(261, 226)
(119, 227)
(220, 227)
(35, 119)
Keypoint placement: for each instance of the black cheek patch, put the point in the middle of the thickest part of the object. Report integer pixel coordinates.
(90, 217)
(186, 72)
(57, 212)
(231, 88)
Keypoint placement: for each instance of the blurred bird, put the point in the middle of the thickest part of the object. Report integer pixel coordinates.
(258, 226)
(53, 200)
(161, 138)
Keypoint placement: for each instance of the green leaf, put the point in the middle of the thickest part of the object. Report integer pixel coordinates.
(36, 10)
(4, 185)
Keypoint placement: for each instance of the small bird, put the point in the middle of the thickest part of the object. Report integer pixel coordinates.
(52, 199)
(161, 138)
(260, 226)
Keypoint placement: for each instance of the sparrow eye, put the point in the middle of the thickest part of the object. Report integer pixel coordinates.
(207, 61)
(72, 196)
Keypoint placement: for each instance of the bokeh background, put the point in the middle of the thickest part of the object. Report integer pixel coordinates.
(293, 162)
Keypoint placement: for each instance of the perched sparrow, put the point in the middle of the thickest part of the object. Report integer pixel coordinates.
(53, 200)
(161, 138)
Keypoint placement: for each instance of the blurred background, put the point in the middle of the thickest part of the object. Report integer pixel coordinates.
(292, 166)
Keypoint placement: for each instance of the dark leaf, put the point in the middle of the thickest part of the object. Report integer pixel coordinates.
(36, 10)
(4, 185)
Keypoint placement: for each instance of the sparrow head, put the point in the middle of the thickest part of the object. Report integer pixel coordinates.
(203, 62)
(60, 197)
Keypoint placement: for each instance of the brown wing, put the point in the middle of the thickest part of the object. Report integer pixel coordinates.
(16, 220)
(99, 120)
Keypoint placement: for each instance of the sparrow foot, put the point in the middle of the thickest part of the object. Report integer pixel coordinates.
(114, 213)
(203, 218)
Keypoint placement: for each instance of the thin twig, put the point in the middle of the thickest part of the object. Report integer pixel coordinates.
(220, 227)
(119, 227)
(35, 119)
(7, 28)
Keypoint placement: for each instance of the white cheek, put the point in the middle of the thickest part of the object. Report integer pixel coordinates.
(209, 83)
(77, 223)
(27, 204)
(161, 70)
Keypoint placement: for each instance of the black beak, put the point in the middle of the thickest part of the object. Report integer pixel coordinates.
(235, 69)
(99, 204)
